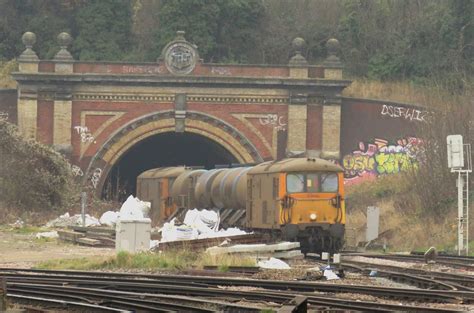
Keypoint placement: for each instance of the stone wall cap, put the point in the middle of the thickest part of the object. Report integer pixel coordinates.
(171, 79)
(383, 101)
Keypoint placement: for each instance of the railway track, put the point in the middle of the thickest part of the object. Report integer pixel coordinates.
(464, 262)
(127, 291)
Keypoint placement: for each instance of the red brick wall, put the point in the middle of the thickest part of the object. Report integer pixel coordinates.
(135, 110)
(44, 132)
(314, 127)
(132, 111)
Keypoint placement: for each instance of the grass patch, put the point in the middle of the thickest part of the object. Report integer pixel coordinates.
(174, 260)
(93, 263)
(224, 261)
(27, 230)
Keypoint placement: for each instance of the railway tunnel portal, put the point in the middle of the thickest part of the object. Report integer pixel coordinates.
(114, 120)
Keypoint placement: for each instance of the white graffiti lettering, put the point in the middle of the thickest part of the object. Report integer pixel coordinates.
(220, 71)
(273, 120)
(3, 116)
(95, 178)
(76, 171)
(142, 69)
(85, 134)
(404, 113)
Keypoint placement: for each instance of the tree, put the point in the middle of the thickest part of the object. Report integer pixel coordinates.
(103, 30)
(222, 29)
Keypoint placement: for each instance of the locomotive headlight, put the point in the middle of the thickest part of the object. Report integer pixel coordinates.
(313, 216)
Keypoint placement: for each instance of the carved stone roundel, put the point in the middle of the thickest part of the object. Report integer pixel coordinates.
(180, 58)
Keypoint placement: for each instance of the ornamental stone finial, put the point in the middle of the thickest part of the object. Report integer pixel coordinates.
(333, 47)
(64, 40)
(298, 59)
(28, 39)
(180, 35)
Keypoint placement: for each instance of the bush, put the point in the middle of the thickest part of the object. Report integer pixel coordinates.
(32, 175)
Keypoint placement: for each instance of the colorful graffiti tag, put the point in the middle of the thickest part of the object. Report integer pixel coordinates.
(381, 158)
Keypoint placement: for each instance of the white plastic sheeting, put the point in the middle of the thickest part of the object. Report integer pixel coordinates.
(109, 218)
(171, 232)
(330, 275)
(47, 234)
(134, 209)
(273, 263)
(205, 221)
(198, 224)
(75, 220)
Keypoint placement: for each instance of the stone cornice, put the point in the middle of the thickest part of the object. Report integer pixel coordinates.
(192, 81)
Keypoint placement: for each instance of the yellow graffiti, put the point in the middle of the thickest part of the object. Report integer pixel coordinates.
(358, 163)
(391, 163)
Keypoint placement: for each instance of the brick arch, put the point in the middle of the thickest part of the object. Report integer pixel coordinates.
(163, 122)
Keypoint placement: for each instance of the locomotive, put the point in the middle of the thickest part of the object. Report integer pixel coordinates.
(299, 199)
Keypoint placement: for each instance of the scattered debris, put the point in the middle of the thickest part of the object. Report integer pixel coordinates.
(330, 275)
(47, 234)
(91, 236)
(109, 218)
(282, 250)
(198, 224)
(66, 220)
(18, 223)
(198, 244)
(430, 255)
(274, 263)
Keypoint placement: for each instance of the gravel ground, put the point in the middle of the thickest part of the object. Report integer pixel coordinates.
(24, 250)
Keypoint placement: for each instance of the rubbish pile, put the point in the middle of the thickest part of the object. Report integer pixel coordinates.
(197, 224)
(66, 220)
(282, 250)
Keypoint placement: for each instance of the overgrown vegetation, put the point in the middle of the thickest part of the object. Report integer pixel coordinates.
(172, 260)
(420, 206)
(32, 176)
(383, 39)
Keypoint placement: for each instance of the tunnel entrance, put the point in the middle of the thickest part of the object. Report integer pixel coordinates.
(168, 149)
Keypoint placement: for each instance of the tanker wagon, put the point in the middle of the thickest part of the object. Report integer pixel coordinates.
(298, 199)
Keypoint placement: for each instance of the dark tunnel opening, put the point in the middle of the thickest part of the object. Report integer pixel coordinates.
(168, 149)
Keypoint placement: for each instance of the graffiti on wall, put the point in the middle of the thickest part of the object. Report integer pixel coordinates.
(381, 158)
(273, 120)
(3, 116)
(85, 134)
(409, 114)
(95, 177)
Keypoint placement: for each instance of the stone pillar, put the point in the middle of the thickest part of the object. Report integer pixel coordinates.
(297, 108)
(331, 137)
(62, 122)
(27, 95)
(62, 108)
(298, 64)
(180, 112)
(297, 119)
